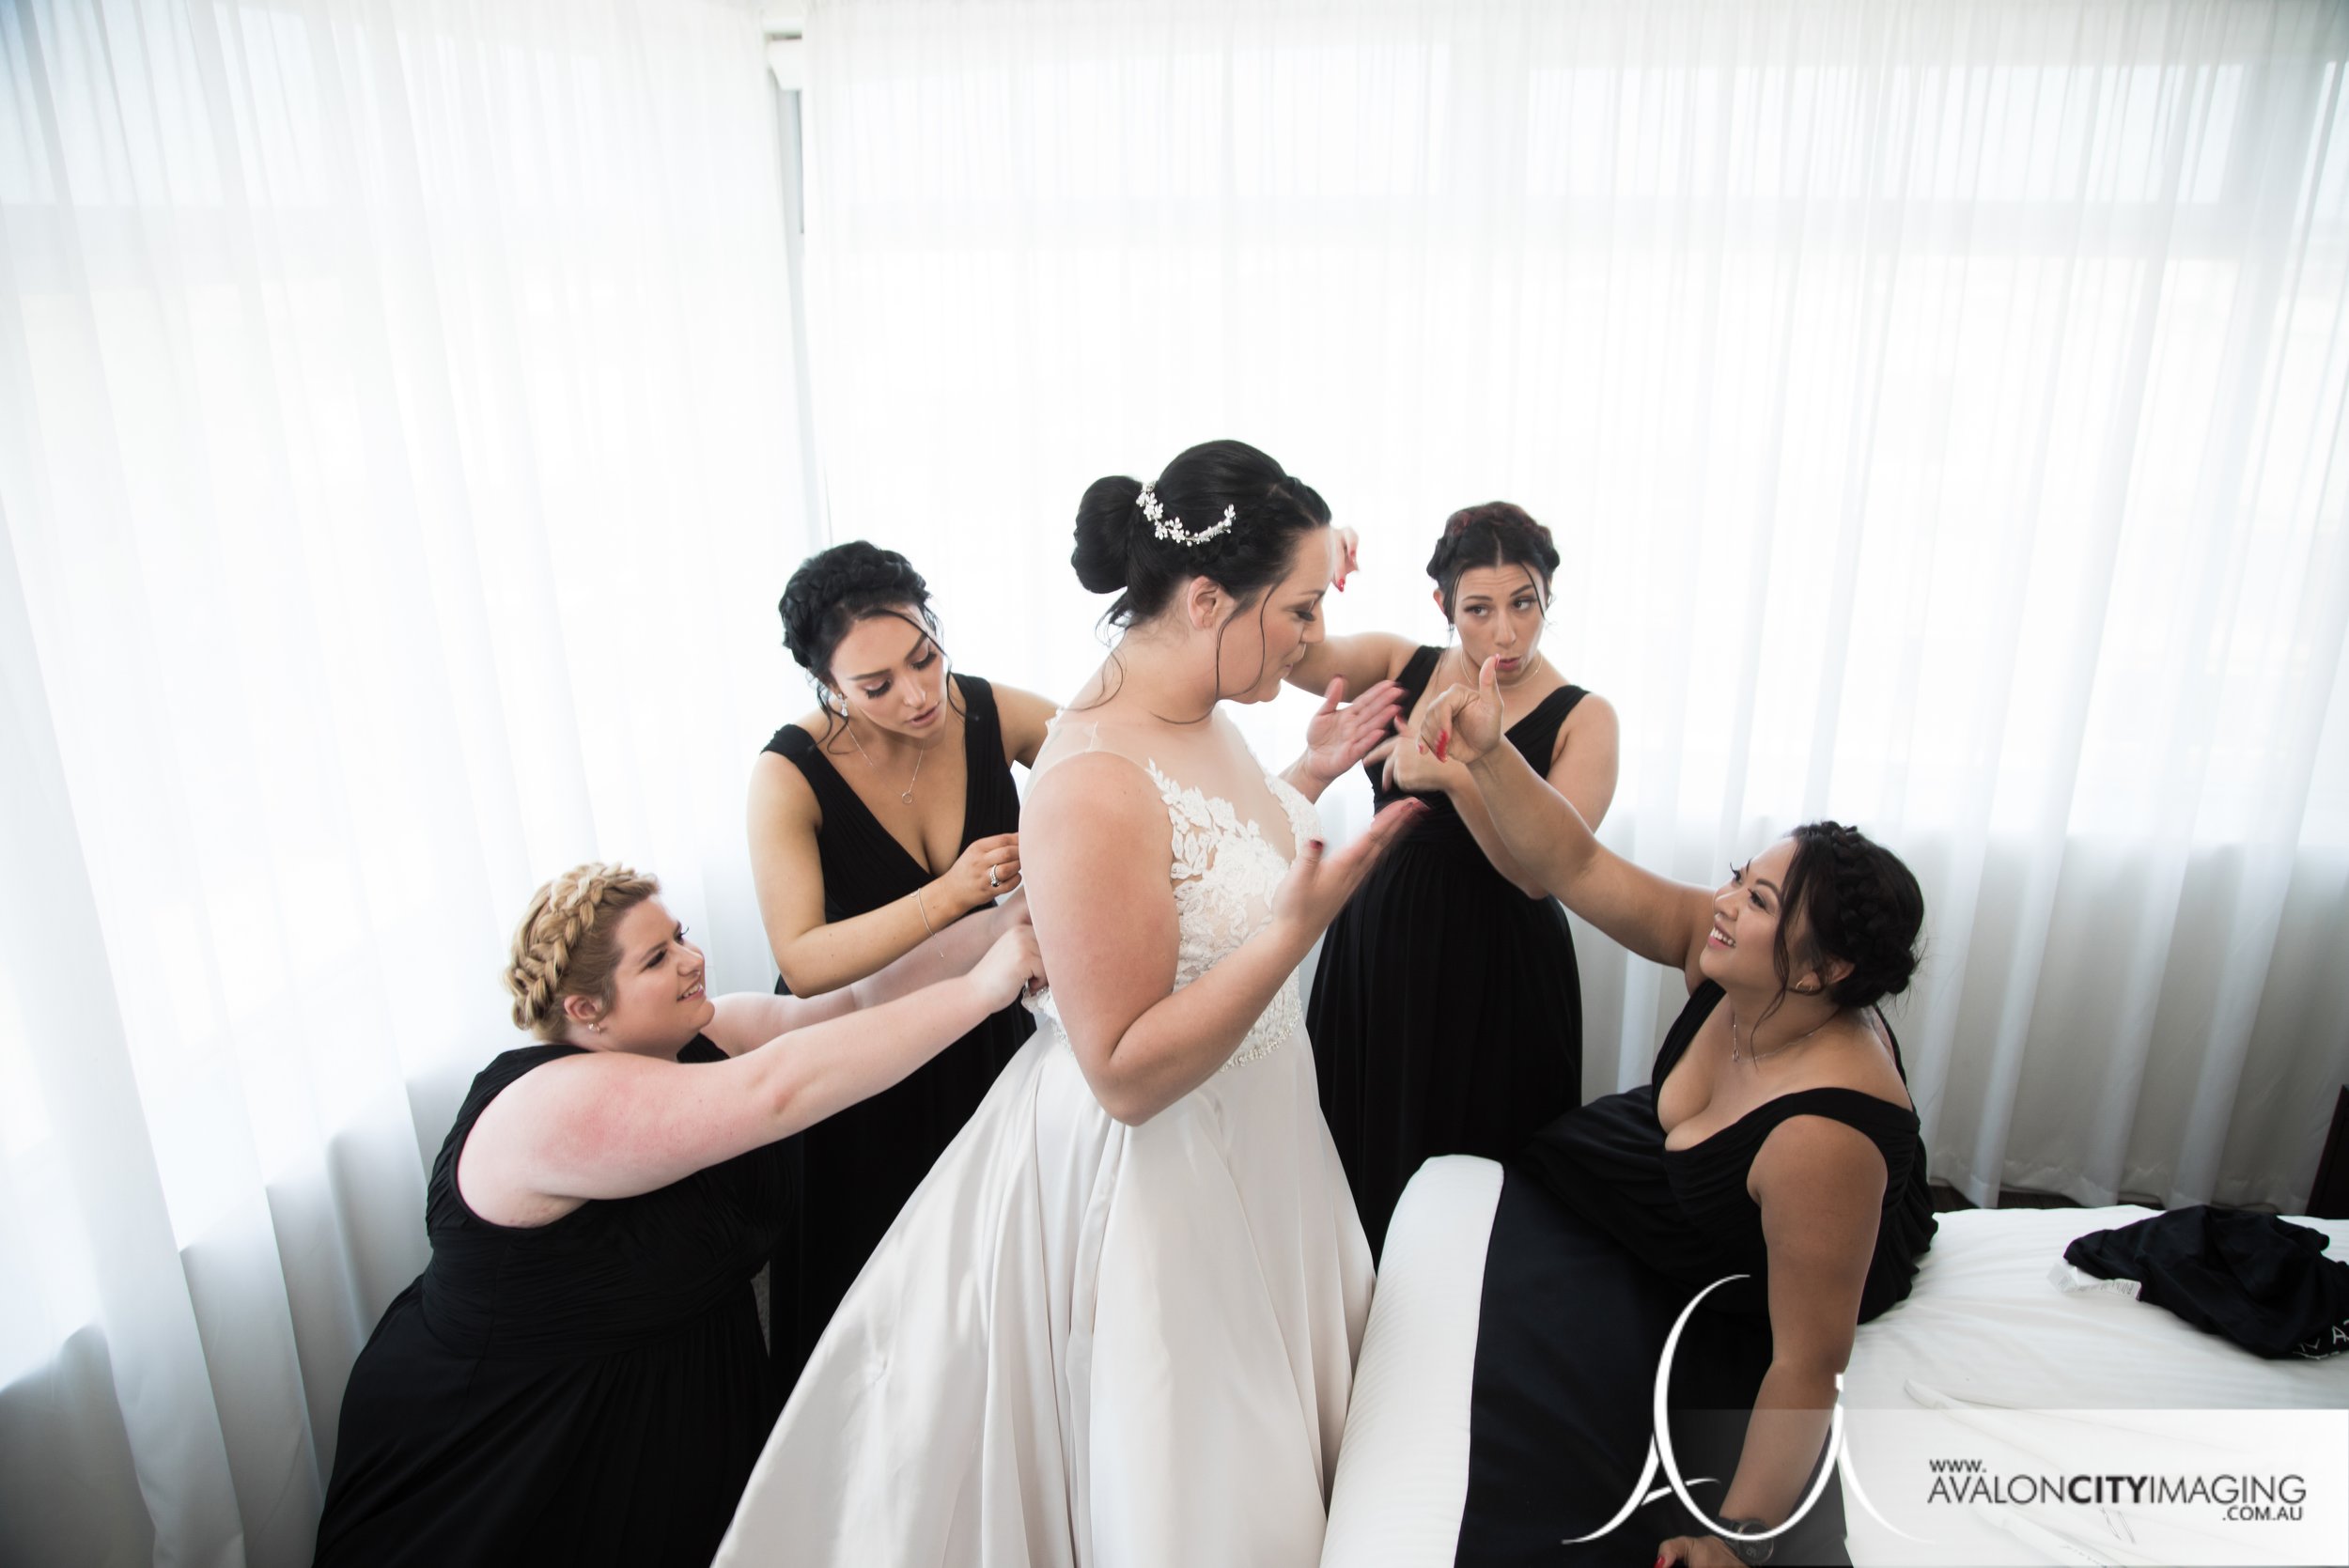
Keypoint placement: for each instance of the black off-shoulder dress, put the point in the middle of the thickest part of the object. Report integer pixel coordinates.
(1601, 1237)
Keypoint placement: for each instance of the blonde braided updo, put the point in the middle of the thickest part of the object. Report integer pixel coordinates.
(564, 946)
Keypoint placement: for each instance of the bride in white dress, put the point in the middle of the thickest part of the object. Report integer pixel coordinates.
(1115, 1327)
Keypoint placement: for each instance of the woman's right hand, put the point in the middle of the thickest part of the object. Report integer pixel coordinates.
(1315, 889)
(1464, 723)
(1014, 965)
(965, 884)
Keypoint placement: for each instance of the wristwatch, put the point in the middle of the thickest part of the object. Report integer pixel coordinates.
(1747, 1551)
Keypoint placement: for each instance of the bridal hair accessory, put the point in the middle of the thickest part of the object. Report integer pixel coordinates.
(1171, 528)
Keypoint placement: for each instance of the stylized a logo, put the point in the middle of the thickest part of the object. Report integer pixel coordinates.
(1661, 1456)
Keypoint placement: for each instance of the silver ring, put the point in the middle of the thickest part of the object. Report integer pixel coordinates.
(993, 879)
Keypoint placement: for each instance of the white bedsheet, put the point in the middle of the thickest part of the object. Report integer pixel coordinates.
(1983, 1324)
(1986, 1327)
(1402, 1476)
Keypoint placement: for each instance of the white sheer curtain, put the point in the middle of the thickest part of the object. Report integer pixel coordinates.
(397, 463)
(1939, 406)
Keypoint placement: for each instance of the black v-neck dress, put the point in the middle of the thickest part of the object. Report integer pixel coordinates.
(859, 1166)
(1602, 1236)
(1446, 1014)
(591, 1390)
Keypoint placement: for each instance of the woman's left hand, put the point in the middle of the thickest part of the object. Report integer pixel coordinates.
(1465, 722)
(1343, 733)
(1414, 768)
(1012, 966)
(1349, 556)
(1312, 893)
(1697, 1551)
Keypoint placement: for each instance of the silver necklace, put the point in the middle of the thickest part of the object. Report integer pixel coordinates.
(1789, 1045)
(907, 796)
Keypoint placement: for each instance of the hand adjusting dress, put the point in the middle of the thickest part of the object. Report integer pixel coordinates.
(587, 1391)
(1447, 1012)
(1089, 1344)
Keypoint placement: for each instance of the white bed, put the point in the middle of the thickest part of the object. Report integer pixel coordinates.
(1985, 1326)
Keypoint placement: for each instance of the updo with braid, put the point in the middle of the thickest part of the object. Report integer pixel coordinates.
(834, 590)
(1856, 902)
(1497, 534)
(565, 946)
(1118, 551)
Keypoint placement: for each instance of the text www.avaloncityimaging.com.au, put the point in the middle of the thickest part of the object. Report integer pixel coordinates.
(2244, 1497)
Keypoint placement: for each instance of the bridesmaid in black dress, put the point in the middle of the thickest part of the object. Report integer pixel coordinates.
(577, 1375)
(1446, 1014)
(1776, 1140)
(880, 819)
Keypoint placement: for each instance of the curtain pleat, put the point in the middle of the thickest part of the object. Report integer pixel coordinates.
(398, 464)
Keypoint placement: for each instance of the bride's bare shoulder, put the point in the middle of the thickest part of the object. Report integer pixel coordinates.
(1087, 816)
(1094, 783)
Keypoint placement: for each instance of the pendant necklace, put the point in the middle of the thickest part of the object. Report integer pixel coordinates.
(1758, 1055)
(907, 796)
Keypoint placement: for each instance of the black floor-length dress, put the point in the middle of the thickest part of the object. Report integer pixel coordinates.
(1447, 1012)
(1601, 1237)
(860, 1166)
(588, 1391)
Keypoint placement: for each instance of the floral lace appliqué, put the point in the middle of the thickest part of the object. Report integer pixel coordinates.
(1224, 874)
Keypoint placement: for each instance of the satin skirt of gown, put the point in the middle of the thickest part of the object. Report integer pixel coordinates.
(1094, 1345)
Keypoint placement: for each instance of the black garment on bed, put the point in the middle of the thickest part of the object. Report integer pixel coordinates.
(1601, 1237)
(1446, 1014)
(859, 1166)
(2259, 1281)
(589, 1391)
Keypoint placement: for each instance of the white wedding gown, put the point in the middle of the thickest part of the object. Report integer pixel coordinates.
(1090, 1345)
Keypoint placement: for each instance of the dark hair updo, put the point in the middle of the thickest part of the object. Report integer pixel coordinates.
(1118, 552)
(1498, 534)
(835, 588)
(1858, 903)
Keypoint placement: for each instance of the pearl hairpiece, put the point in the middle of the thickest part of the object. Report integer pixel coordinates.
(1171, 528)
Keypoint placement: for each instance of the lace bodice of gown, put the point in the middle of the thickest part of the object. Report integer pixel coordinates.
(1224, 872)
